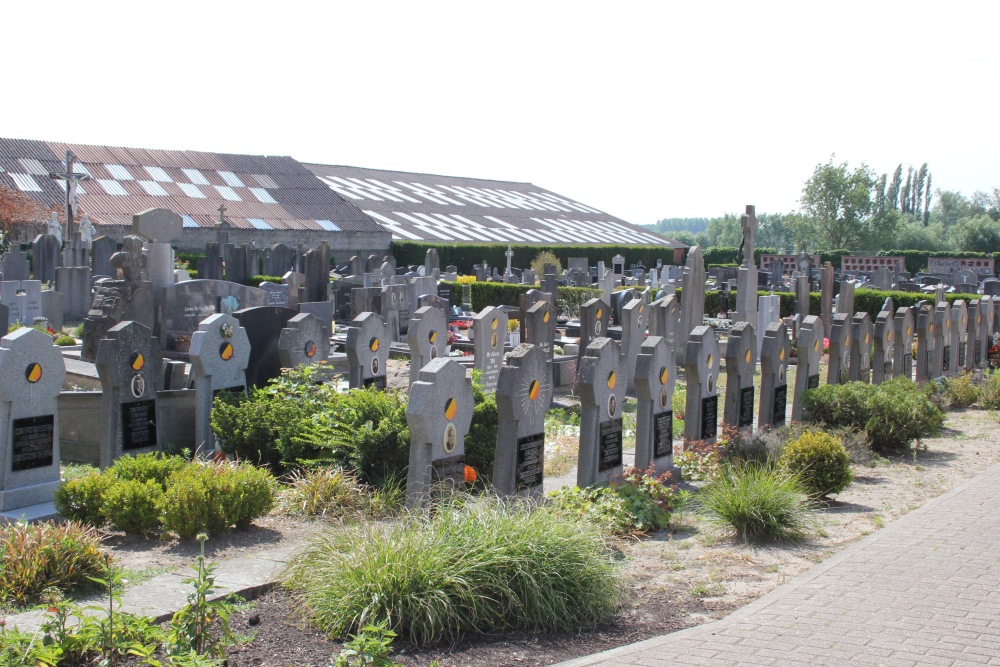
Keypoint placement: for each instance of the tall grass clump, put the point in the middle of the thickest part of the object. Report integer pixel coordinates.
(759, 502)
(35, 556)
(989, 391)
(473, 566)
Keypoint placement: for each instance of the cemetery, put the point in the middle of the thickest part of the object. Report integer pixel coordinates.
(616, 418)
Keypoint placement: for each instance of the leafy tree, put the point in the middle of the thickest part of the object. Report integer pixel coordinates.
(980, 233)
(927, 200)
(892, 194)
(18, 213)
(840, 202)
(988, 203)
(724, 231)
(912, 234)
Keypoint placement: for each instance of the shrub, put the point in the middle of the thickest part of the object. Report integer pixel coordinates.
(324, 491)
(132, 505)
(154, 466)
(960, 391)
(840, 404)
(989, 391)
(699, 461)
(758, 501)
(211, 497)
(641, 501)
(481, 441)
(64, 341)
(473, 566)
(821, 462)
(899, 413)
(859, 449)
(80, 499)
(36, 556)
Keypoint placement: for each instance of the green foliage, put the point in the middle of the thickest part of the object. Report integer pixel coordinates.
(212, 497)
(472, 566)
(80, 499)
(699, 461)
(840, 404)
(255, 281)
(758, 501)
(569, 299)
(36, 556)
(899, 413)
(821, 462)
(325, 491)
(541, 259)
(641, 501)
(481, 440)
(961, 391)
(201, 626)
(916, 260)
(371, 647)
(989, 391)
(133, 506)
(155, 466)
(78, 331)
(64, 341)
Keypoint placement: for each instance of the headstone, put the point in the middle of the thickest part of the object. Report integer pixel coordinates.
(769, 311)
(23, 300)
(186, 304)
(883, 278)
(633, 334)
(549, 282)
(882, 348)
(957, 332)
(664, 320)
(277, 295)
(594, 318)
(838, 371)
(861, 348)
(692, 299)
(389, 309)
(655, 375)
(130, 367)
(101, 251)
(701, 409)
(802, 296)
(45, 257)
(942, 339)
(210, 266)
(489, 336)
(52, 308)
(601, 395)
(741, 361)
(902, 348)
(774, 359)
(159, 227)
(367, 351)
(15, 265)
(925, 344)
(322, 309)
(746, 282)
(991, 287)
(808, 356)
(972, 342)
(220, 352)
(263, 326)
(827, 278)
(618, 268)
(523, 395)
(357, 265)
(316, 267)
(427, 338)
(439, 414)
(305, 341)
(845, 299)
(432, 265)
(278, 260)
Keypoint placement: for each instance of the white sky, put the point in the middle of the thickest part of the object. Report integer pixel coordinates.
(646, 110)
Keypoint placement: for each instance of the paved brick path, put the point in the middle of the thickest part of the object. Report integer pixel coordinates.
(923, 591)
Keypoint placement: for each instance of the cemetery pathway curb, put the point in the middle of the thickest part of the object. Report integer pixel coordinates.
(925, 590)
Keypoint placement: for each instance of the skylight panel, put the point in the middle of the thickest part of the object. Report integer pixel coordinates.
(158, 174)
(33, 167)
(154, 189)
(328, 225)
(263, 196)
(195, 176)
(119, 172)
(25, 182)
(80, 169)
(191, 191)
(231, 179)
(113, 187)
(227, 193)
(259, 223)
(265, 181)
(188, 222)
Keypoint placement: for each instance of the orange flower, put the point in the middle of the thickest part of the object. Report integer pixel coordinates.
(471, 475)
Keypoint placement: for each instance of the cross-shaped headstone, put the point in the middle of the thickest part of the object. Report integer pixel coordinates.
(305, 341)
(367, 350)
(523, 393)
(220, 352)
(655, 375)
(426, 337)
(902, 348)
(882, 347)
(72, 179)
(959, 324)
(701, 366)
(774, 357)
(741, 360)
(840, 349)
(808, 356)
(861, 347)
(602, 391)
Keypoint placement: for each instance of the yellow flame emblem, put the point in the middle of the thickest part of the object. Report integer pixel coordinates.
(137, 361)
(226, 351)
(373, 345)
(612, 378)
(33, 373)
(450, 409)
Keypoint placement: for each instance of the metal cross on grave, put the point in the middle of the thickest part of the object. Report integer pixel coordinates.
(72, 179)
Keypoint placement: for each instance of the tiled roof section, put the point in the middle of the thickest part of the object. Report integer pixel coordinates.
(426, 207)
(257, 190)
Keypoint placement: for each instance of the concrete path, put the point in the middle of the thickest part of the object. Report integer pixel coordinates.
(923, 591)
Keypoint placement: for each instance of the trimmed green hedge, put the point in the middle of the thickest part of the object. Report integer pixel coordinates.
(568, 300)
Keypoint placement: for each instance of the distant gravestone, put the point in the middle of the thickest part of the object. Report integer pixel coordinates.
(741, 360)
(802, 297)
(15, 265)
(942, 338)
(701, 410)
(655, 375)
(972, 336)
(367, 351)
(664, 320)
(523, 395)
(278, 260)
(594, 317)
(489, 336)
(774, 358)
(882, 348)
(439, 414)
(305, 341)
(185, 305)
(31, 375)
(861, 348)
(277, 295)
(427, 338)
(220, 352)
(23, 300)
(984, 336)
(768, 311)
(294, 281)
(316, 267)
(957, 333)
(808, 356)
(601, 395)
(902, 347)
(540, 327)
(692, 300)
(845, 299)
(159, 227)
(925, 344)
(827, 278)
(45, 258)
(263, 326)
(883, 278)
(966, 280)
(432, 263)
(130, 367)
(840, 350)
(389, 309)
(633, 334)
(365, 300)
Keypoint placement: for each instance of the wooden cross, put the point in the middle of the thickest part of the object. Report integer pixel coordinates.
(72, 181)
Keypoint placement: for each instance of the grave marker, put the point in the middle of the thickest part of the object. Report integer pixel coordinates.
(523, 394)
(655, 375)
(959, 325)
(861, 348)
(882, 348)
(840, 348)
(902, 348)
(692, 300)
(701, 410)
(942, 338)
(602, 391)
(220, 352)
(809, 354)
(594, 317)
(774, 358)
(489, 336)
(305, 341)
(427, 338)
(925, 343)
(367, 351)
(741, 360)
(633, 333)
(827, 278)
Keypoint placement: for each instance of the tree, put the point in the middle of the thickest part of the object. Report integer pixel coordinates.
(725, 231)
(18, 214)
(905, 205)
(892, 196)
(927, 201)
(980, 234)
(952, 206)
(840, 203)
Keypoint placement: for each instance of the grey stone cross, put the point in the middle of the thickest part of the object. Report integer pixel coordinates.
(655, 375)
(741, 361)
(774, 356)
(809, 353)
(602, 390)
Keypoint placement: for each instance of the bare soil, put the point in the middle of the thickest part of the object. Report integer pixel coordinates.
(689, 575)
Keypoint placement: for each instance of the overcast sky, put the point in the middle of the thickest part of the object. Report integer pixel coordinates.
(645, 110)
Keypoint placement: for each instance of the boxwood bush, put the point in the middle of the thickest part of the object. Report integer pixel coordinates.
(821, 462)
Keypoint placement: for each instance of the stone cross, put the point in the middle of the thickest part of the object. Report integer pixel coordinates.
(131, 370)
(957, 333)
(633, 333)
(427, 338)
(390, 296)
(701, 409)
(882, 348)
(741, 361)
(439, 414)
(523, 396)
(692, 299)
(220, 352)
(827, 278)
(808, 356)
(655, 375)
(31, 375)
(489, 336)
(942, 338)
(72, 180)
(925, 344)
(840, 348)
(594, 317)
(902, 348)
(367, 350)
(509, 254)
(304, 342)
(861, 348)
(971, 335)
(774, 356)
(602, 392)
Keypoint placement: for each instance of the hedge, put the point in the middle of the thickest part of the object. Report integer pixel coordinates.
(568, 300)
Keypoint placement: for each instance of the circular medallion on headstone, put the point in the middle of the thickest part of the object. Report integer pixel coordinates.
(450, 438)
(746, 357)
(663, 397)
(664, 374)
(494, 340)
(33, 373)
(432, 336)
(612, 378)
(450, 409)
(310, 349)
(137, 361)
(226, 330)
(534, 389)
(597, 327)
(373, 345)
(375, 366)
(226, 351)
(612, 405)
(138, 386)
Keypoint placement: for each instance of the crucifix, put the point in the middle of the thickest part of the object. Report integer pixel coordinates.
(510, 256)
(72, 182)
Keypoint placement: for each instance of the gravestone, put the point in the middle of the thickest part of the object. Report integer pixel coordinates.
(15, 265)
(991, 287)
(741, 360)
(127, 299)
(316, 267)
(432, 264)
(435, 301)
(808, 355)
(769, 311)
(296, 293)
(220, 352)
(277, 295)
(861, 348)
(701, 408)
(439, 414)
(74, 284)
(540, 322)
(365, 300)
(664, 320)
(131, 371)
(5, 320)
(845, 299)
(655, 375)
(210, 266)
(367, 351)
(389, 309)
(523, 395)
(971, 336)
(263, 326)
(45, 258)
(594, 318)
(882, 348)
(633, 334)
(601, 394)
(925, 343)
(774, 359)
(427, 338)
(747, 281)
(489, 336)
(23, 300)
(902, 349)
(356, 265)
(278, 260)
(159, 227)
(186, 304)
(984, 337)
(883, 278)
(802, 297)
(827, 279)
(942, 338)
(957, 334)
(692, 299)
(838, 371)
(305, 341)
(31, 375)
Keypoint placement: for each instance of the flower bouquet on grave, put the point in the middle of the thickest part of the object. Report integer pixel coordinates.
(993, 355)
